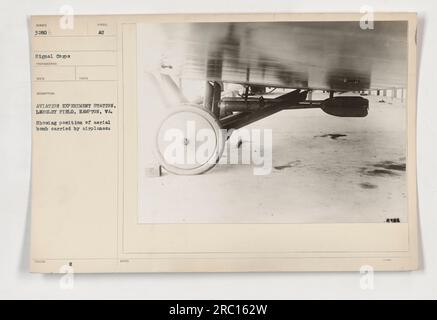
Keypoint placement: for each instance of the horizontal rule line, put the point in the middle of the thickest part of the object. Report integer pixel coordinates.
(73, 50)
(73, 36)
(74, 80)
(75, 65)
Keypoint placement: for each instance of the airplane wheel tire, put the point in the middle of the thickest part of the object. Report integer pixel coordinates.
(189, 141)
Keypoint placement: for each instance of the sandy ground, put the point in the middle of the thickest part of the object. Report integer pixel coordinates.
(325, 170)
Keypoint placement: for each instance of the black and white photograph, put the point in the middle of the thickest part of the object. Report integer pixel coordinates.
(272, 122)
(218, 156)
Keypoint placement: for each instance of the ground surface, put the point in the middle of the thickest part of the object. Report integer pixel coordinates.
(325, 170)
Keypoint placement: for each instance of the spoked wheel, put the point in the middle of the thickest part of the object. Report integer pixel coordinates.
(189, 141)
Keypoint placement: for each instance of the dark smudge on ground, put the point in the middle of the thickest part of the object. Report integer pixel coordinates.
(333, 136)
(377, 172)
(288, 165)
(366, 185)
(383, 169)
(390, 165)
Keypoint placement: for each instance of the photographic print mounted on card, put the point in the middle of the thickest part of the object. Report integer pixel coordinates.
(185, 143)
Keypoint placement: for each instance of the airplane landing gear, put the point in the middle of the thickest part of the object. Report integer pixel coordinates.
(189, 141)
